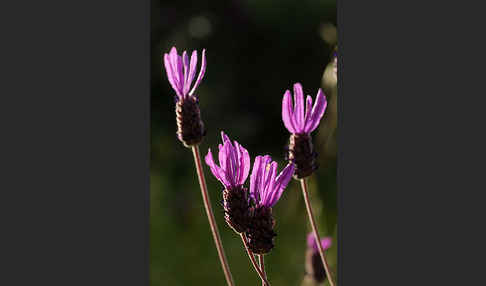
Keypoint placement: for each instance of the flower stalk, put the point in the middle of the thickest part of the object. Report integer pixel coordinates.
(310, 214)
(253, 261)
(210, 214)
(262, 267)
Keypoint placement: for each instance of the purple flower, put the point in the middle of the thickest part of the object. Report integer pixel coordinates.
(326, 242)
(234, 163)
(234, 167)
(181, 72)
(265, 186)
(314, 267)
(295, 118)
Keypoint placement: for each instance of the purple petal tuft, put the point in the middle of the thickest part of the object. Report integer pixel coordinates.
(265, 187)
(326, 242)
(234, 162)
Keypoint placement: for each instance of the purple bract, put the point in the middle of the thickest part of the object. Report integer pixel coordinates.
(234, 163)
(265, 186)
(311, 242)
(296, 119)
(181, 72)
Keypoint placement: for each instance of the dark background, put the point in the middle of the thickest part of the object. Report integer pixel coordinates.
(255, 51)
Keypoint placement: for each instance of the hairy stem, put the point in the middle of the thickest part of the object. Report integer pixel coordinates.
(212, 221)
(303, 184)
(253, 261)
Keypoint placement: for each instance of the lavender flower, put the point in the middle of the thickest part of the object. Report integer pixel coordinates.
(181, 73)
(301, 122)
(266, 188)
(233, 171)
(314, 267)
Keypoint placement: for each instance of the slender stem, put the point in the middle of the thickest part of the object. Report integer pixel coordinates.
(262, 267)
(212, 221)
(253, 261)
(303, 184)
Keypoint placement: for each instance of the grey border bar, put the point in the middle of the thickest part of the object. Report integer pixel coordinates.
(75, 105)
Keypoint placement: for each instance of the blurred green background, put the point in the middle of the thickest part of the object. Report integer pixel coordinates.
(255, 49)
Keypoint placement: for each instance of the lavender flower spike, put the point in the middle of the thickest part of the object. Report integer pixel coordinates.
(301, 122)
(266, 188)
(181, 72)
(314, 267)
(233, 171)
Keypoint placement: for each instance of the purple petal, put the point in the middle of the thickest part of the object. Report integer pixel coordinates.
(287, 112)
(210, 162)
(230, 164)
(237, 152)
(201, 73)
(234, 162)
(257, 177)
(311, 241)
(176, 68)
(192, 69)
(298, 108)
(185, 63)
(308, 107)
(254, 177)
(281, 183)
(224, 137)
(317, 112)
(326, 243)
(171, 75)
(222, 156)
(215, 169)
(244, 165)
(269, 183)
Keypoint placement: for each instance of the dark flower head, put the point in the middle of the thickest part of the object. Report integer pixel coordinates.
(295, 118)
(232, 173)
(266, 188)
(234, 163)
(314, 267)
(181, 72)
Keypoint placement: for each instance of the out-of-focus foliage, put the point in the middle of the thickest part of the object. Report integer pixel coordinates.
(255, 51)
